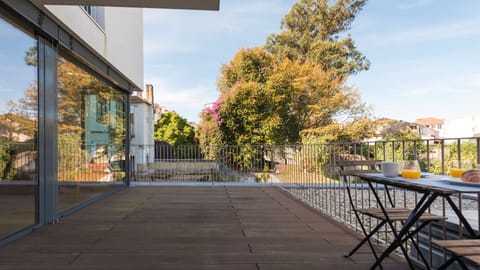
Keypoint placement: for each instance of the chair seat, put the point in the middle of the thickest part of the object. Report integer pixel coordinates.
(397, 214)
(468, 248)
(475, 259)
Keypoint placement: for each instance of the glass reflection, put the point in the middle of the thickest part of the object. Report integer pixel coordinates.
(91, 139)
(18, 129)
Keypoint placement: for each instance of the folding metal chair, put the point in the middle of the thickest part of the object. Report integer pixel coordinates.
(460, 249)
(351, 168)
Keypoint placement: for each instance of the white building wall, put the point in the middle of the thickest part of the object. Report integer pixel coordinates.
(462, 127)
(124, 44)
(142, 143)
(77, 19)
(121, 42)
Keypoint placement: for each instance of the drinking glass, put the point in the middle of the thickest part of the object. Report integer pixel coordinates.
(411, 169)
(458, 167)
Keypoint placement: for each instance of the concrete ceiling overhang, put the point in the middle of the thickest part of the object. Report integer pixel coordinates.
(172, 4)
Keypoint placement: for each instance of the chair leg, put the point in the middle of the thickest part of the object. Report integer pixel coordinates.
(462, 264)
(448, 263)
(365, 239)
(417, 247)
(397, 243)
(419, 252)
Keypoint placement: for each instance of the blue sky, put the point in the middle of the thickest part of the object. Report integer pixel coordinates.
(15, 75)
(425, 54)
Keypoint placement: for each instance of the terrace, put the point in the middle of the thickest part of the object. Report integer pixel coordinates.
(271, 207)
(191, 228)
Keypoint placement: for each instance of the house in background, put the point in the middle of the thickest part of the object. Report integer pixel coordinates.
(68, 68)
(141, 130)
(388, 128)
(431, 127)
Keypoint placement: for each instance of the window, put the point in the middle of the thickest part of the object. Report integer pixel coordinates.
(101, 112)
(92, 134)
(97, 14)
(18, 129)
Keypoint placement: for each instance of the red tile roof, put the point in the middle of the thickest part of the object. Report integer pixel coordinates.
(429, 121)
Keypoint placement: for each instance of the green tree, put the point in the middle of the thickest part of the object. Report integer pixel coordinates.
(6, 169)
(294, 88)
(312, 32)
(280, 102)
(249, 115)
(247, 65)
(316, 104)
(468, 152)
(174, 129)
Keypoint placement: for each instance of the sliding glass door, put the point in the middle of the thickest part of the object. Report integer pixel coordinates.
(91, 135)
(18, 129)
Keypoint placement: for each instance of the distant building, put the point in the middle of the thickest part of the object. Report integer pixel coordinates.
(141, 129)
(426, 128)
(468, 126)
(386, 127)
(430, 127)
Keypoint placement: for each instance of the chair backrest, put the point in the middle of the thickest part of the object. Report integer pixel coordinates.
(354, 167)
(348, 168)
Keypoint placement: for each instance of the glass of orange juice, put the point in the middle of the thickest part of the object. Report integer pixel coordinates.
(411, 169)
(458, 167)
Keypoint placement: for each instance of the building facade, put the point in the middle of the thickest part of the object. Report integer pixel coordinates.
(67, 73)
(142, 152)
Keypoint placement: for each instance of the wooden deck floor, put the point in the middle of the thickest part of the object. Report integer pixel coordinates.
(224, 228)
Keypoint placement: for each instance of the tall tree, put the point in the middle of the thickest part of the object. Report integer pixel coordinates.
(174, 129)
(294, 88)
(312, 32)
(277, 102)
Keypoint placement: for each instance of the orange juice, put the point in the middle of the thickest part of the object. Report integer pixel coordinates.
(457, 173)
(411, 174)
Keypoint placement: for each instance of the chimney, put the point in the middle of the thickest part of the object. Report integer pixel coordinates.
(149, 94)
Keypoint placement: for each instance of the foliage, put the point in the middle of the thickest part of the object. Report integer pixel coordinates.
(249, 115)
(208, 132)
(288, 100)
(468, 152)
(4, 160)
(293, 88)
(248, 65)
(403, 146)
(174, 129)
(7, 170)
(311, 32)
